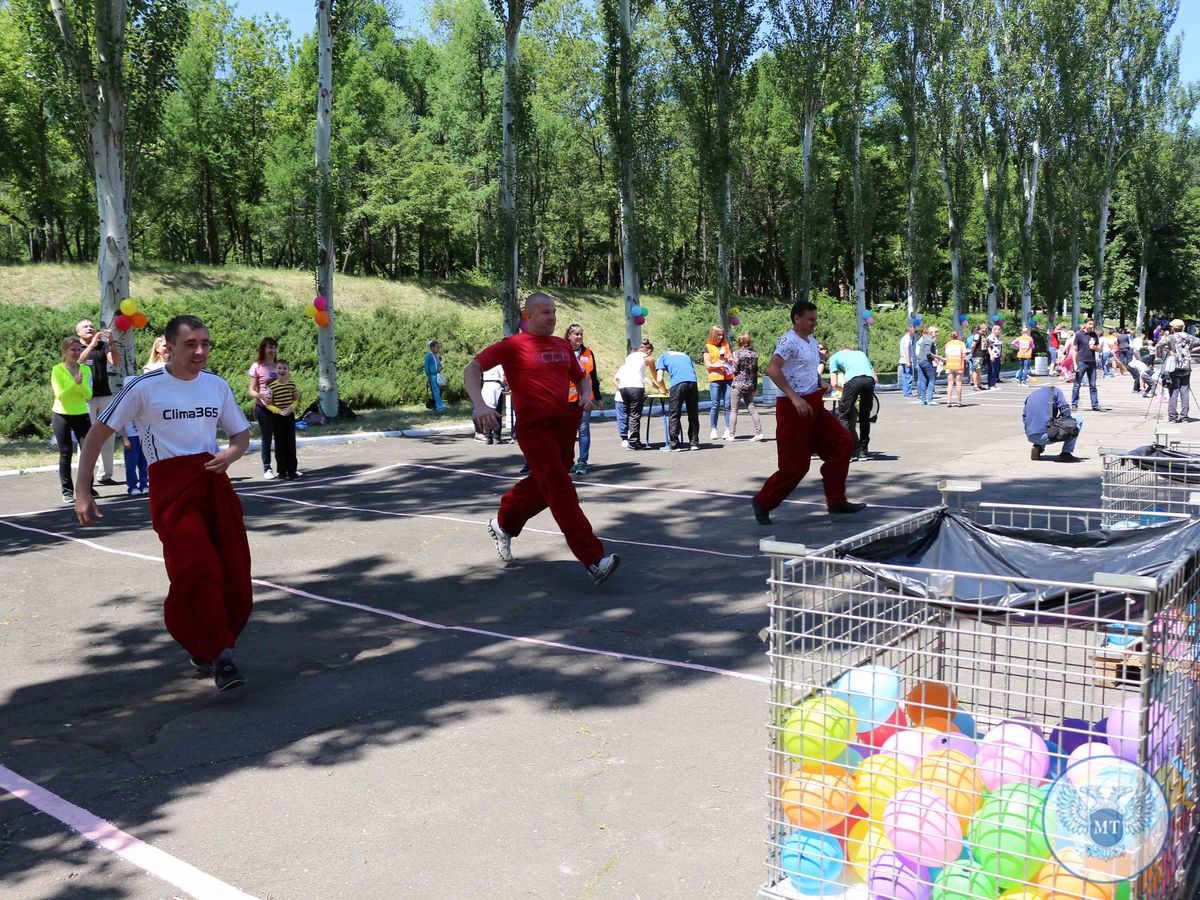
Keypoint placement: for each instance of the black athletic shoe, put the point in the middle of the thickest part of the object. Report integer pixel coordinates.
(1035, 452)
(1099, 409)
(1068, 457)
(226, 675)
(68, 497)
(761, 516)
(846, 507)
(107, 481)
(203, 666)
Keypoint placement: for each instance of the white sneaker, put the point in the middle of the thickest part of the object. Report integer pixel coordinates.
(503, 540)
(269, 475)
(297, 474)
(713, 436)
(728, 436)
(601, 570)
(624, 445)
(759, 437)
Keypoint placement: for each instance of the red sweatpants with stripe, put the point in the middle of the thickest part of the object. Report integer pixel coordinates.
(198, 518)
(549, 447)
(796, 439)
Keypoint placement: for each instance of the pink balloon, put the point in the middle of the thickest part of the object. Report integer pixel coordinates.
(639, 320)
(923, 827)
(876, 737)
(320, 302)
(735, 321)
(524, 326)
(909, 747)
(1012, 754)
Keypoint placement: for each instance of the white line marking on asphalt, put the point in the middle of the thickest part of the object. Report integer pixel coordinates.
(109, 837)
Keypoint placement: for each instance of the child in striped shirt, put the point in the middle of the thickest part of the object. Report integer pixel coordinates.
(285, 397)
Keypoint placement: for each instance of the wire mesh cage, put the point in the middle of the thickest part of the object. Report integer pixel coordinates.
(946, 733)
(1160, 477)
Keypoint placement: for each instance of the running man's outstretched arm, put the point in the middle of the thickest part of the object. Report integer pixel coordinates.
(488, 418)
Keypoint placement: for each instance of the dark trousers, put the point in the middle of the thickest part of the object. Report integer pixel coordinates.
(1179, 387)
(993, 372)
(266, 429)
(684, 394)
(284, 435)
(136, 475)
(796, 439)
(1085, 370)
(858, 391)
(634, 400)
(64, 427)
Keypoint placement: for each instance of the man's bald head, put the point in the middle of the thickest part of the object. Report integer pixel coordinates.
(541, 313)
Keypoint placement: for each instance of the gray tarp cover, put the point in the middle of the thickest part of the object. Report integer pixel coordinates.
(1171, 465)
(953, 542)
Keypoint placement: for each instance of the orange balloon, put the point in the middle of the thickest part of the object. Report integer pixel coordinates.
(1058, 883)
(939, 723)
(817, 800)
(959, 783)
(930, 698)
(321, 318)
(139, 320)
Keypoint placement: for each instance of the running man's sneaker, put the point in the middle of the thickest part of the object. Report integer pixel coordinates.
(268, 474)
(846, 507)
(502, 538)
(225, 674)
(203, 666)
(601, 570)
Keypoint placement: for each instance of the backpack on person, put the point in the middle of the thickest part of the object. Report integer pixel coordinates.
(1179, 356)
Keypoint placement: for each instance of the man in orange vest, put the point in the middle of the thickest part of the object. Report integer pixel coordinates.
(587, 362)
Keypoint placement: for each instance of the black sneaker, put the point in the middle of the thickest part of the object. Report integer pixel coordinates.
(846, 507)
(1099, 409)
(226, 675)
(761, 516)
(107, 481)
(203, 666)
(1068, 457)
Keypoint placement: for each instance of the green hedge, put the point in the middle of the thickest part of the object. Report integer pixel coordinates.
(380, 352)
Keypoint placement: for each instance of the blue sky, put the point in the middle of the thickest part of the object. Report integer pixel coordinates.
(302, 13)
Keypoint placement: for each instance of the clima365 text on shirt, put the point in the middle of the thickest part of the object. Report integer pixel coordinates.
(199, 412)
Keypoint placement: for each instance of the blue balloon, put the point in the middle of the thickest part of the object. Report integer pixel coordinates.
(866, 314)
(965, 723)
(813, 861)
(917, 320)
(872, 691)
(996, 318)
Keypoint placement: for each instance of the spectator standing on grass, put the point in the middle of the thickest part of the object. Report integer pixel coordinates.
(285, 397)
(587, 361)
(99, 354)
(718, 360)
(745, 384)
(803, 426)
(539, 367)
(160, 353)
(1087, 347)
(193, 507)
(1023, 344)
(858, 390)
(434, 375)
(71, 381)
(681, 371)
(904, 365)
(1049, 420)
(261, 373)
(927, 357)
(995, 346)
(955, 355)
(1175, 350)
(631, 379)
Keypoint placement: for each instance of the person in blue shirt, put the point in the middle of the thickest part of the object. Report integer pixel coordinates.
(434, 375)
(1041, 407)
(858, 381)
(682, 371)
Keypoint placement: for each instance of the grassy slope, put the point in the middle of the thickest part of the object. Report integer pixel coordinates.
(598, 311)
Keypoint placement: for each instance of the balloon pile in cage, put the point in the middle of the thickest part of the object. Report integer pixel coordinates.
(903, 791)
(130, 316)
(318, 311)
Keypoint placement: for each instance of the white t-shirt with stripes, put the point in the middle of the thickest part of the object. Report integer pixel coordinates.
(174, 417)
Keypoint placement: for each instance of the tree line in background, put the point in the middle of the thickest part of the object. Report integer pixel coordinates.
(982, 155)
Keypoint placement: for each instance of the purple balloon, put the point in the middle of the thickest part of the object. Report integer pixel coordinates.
(896, 877)
(959, 742)
(1071, 733)
(639, 320)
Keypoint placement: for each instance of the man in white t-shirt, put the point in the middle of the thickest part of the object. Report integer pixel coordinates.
(196, 513)
(802, 423)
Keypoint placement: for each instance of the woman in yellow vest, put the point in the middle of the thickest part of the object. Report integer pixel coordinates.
(72, 385)
(718, 359)
(955, 356)
(587, 362)
(1024, 346)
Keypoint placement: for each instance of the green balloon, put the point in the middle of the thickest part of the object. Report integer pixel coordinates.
(1123, 891)
(818, 729)
(1006, 836)
(963, 881)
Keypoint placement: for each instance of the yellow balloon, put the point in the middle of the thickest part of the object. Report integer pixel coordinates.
(864, 843)
(959, 783)
(310, 311)
(878, 780)
(129, 306)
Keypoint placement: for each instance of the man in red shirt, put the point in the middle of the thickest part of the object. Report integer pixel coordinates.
(540, 369)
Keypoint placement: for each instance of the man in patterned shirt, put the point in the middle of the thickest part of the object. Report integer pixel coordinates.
(803, 424)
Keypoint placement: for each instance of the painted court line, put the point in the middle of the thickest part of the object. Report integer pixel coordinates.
(424, 623)
(109, 837)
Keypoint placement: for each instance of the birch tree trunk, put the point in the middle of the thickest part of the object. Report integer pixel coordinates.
(1101, 248)
(860, 269)
(327, 388)
(914, 175)
(510, 238)
(1029, 184)
(989, 228)
(629, 269)
(810, 125)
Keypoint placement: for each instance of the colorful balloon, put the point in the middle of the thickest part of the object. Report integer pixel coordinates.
(1055, 882)
(909, 746)
(893, 877)
(879, 736)
(639, 320)
(524, 326)
(129, 306)
(930, 698)
(813, 862)
(818, 729)
(122, 323)
(922, 826)
(320, 304)
(1012, 753)
(817, 800)
(873, 692)
(1071, 733)
(321, 318)
(963, 881)
(957, 782)
(878, 780)
(1006, 836)
(735, 321)
(310, 311)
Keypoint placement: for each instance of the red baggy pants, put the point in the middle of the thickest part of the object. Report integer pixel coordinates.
(549, 446)
(198, 518)
(796, 439)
